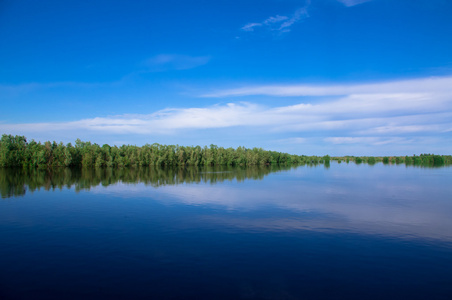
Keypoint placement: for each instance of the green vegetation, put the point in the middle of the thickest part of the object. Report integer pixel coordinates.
(15, 151)
(371, 160)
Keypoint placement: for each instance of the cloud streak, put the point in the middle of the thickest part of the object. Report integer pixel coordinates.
(409, 113)
(166, 62)
(420, 85)
(279, 23)
(283, 24)
(298, 15)
(350, 3)
(373, 114)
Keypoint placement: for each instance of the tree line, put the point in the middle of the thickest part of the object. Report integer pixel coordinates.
(16, 151)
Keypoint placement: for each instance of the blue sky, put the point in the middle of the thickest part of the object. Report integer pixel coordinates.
(318, 77)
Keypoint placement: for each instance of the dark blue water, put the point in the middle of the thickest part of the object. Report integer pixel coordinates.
(344, 232)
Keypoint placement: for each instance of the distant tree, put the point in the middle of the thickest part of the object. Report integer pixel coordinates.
(16, 152)
(371, 160)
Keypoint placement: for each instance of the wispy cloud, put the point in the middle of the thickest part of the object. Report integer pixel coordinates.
(165, 62)
(428, 85)
(279, 23)
(251, 26)
(376, 141)
(276, 19)
(298, 15)
(377, 114)
(349, 3)
(373, 112)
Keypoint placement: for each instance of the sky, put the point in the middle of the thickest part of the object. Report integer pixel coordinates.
(313, 77)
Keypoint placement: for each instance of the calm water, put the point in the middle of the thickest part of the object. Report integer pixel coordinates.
(344, 232)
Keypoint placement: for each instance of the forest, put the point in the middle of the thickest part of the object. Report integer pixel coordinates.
(16, 151)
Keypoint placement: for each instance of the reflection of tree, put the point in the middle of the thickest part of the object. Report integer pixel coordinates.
(14, 182)
(423, 160)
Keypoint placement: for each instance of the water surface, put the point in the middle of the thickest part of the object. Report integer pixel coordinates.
(344, 232)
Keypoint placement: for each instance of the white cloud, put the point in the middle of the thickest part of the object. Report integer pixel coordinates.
(391, 129)
(275, 19)
(368, 140)
(165, 62)
(429, 85)
(349, 3)
(251, 26)
(374, 114)
(299, 14)
(279, 23)
(284, 23)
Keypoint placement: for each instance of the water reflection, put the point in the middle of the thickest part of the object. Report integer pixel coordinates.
(348, 231)
(15, 182)
(404, 203)
(373, 200)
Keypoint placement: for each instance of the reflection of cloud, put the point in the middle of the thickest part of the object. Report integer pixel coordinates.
(381, 202)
